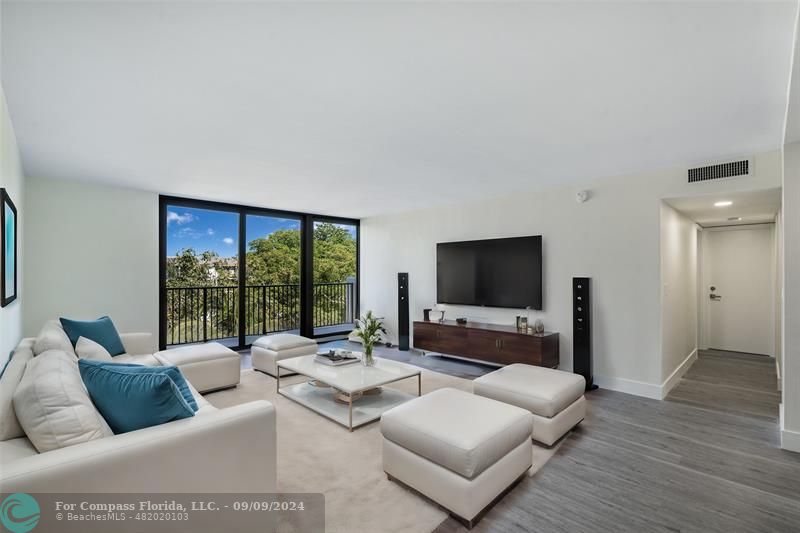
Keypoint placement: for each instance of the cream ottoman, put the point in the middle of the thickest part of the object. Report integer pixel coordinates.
(267, 351)
(554, 397)
(208, 367)
(462, 451)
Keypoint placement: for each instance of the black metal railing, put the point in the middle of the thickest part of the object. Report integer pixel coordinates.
(200, 314)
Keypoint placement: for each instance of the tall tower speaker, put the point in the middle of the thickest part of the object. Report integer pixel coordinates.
(402, 311)
(582, 329)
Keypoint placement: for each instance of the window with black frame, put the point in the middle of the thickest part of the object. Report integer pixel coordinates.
(233, 273)
(335, 276)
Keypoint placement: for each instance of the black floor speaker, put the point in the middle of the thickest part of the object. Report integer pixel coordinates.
(402, 311)
(582, 329)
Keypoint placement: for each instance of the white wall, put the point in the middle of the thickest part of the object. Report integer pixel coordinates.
(613, 238)
(91, 250)
(790, 370)
(679, 314)
(779, 260)
(11, 178)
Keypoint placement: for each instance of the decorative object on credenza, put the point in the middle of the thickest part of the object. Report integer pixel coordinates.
(522, 323)
(437, 314)
(538, 326)
(426, 315)
(370, 330)
(461, 320)
(8, 249)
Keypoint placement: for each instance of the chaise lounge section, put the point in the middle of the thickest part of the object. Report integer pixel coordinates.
(268, 350)
(208, 367)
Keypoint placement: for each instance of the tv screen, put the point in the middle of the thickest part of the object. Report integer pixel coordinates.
(491, 273)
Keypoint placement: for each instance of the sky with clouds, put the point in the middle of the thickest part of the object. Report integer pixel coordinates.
(218, 231)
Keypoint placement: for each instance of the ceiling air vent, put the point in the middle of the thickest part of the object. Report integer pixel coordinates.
(723, 170)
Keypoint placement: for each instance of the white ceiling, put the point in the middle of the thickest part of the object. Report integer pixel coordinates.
(358, 109)
(753, 207)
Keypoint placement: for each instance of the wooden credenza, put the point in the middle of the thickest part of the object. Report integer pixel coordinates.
(487, 342)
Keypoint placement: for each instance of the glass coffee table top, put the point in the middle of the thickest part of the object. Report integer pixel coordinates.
(352, 379)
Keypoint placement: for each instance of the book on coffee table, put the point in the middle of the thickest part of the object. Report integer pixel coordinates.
(336, 357)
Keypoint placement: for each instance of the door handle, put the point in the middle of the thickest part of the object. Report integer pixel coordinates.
(715, 297)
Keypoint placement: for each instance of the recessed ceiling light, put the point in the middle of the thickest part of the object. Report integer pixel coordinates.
(731, 219)
(723, 203)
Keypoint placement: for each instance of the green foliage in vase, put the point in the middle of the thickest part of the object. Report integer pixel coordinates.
(370, 330)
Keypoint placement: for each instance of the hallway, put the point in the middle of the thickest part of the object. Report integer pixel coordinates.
(731, 382)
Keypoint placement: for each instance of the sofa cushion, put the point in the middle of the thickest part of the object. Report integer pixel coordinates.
(283, 341)
(102, 331)
(130, 401)
(52, 337)
(172, 371)
(88, 349)
(144, 359)
(12, 375)
(15, 449)
(457, 430)
(52, 405)
(542, 391)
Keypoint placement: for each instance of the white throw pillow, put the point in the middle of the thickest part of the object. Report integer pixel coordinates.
(88, 349)
(52, 404)
(52, 337)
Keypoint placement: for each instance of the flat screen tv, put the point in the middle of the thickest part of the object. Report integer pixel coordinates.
(490, 273)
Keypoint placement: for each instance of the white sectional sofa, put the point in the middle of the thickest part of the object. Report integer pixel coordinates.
(204, 453)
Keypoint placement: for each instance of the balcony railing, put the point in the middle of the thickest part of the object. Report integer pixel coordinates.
(200, 314)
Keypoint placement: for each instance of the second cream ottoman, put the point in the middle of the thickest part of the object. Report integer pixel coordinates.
(554, 397)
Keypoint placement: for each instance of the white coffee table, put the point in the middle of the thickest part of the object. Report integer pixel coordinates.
(350, 379)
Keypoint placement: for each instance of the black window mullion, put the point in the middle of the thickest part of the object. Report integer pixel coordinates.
(307, 277)
(242, 276)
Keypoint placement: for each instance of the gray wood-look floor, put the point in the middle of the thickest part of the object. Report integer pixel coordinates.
(705, 460)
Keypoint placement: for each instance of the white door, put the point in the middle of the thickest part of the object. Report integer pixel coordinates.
(739, 289)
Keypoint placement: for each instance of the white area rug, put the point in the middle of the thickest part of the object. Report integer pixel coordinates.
(318, 455)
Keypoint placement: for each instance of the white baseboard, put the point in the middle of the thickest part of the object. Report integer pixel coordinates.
(677, 374)
(629, 386)
(647, 390)
(790, 440)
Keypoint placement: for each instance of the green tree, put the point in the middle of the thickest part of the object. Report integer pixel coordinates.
(271, 260)
(188, 269)
(334, 253)
(275, 259)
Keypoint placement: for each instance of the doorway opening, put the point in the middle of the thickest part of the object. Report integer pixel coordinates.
(721, 301)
